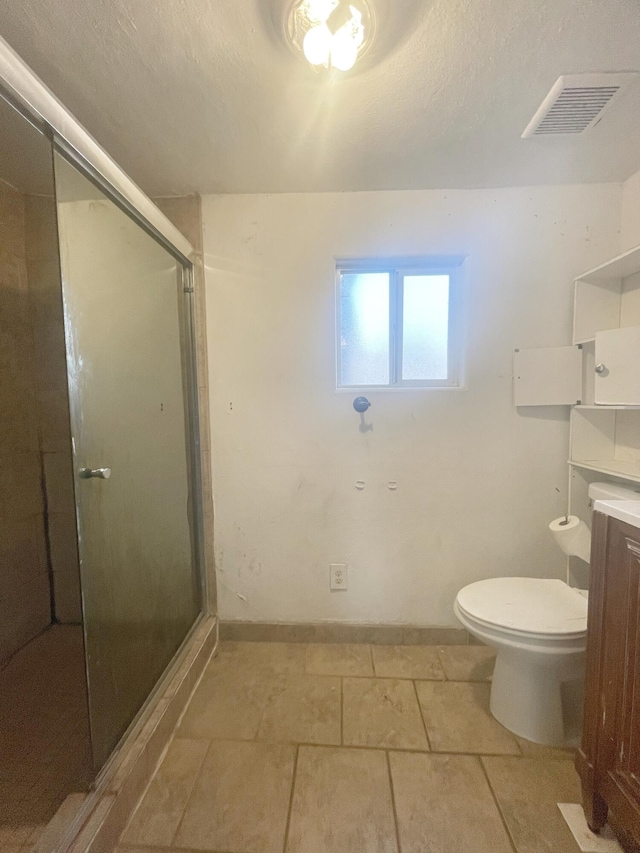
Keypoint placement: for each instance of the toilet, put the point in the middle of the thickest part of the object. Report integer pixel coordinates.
(538, 627)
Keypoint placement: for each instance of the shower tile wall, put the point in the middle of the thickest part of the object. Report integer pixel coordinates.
(35, 440)
(53, 403)
(24, 580)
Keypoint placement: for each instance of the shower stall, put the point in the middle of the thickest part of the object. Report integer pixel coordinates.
(102, 574)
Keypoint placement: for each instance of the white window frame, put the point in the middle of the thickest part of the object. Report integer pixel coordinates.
(397, 269)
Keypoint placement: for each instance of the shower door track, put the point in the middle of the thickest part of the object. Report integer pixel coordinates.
(102, 784)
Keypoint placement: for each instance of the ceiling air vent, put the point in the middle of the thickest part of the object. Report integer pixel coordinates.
(576, 102)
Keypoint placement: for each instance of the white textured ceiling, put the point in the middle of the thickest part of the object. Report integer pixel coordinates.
(201, 95)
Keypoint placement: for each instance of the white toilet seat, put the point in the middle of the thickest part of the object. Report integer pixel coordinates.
(539, 630)
(535, 607)
(494, 635)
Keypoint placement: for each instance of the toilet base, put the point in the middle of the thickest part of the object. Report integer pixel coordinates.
(537, 681)
(537, 695)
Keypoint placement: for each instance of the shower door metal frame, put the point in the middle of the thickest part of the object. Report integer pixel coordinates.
(24, 91)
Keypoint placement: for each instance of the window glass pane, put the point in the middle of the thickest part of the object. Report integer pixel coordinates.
(425, 327)
(364, 328)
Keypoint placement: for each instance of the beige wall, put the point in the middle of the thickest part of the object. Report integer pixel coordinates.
(53, 403)
(24, 578)
(477, 480)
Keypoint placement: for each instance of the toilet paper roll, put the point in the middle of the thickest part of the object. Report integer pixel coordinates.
(573, 537)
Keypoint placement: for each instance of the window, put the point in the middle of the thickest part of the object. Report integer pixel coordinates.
(397, 324)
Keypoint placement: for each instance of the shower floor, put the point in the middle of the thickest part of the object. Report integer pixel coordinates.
(44, 734)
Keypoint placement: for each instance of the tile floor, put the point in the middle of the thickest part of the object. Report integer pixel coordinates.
(293, 748)
(44, 735)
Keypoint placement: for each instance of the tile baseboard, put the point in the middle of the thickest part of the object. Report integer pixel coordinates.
(333, 632)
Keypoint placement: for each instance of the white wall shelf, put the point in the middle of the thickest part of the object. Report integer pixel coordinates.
(602, 408)
(604, 367)
(621, 470)
(621, 266)
(607, 297)
(606, 439)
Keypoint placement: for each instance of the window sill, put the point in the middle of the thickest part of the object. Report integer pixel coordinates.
(377, 389)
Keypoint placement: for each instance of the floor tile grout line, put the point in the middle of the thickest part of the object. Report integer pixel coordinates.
(294, 776)
(498, 806)
(154, 848)
(335, 674)
(393, 802)
(407, 749)
(379, 677)
(424, 722)
(341, 711)
(192, 789)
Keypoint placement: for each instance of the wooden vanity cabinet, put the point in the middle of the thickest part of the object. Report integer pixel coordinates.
(609, 761)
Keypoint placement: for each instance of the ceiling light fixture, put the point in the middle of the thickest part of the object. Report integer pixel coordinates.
(330, 33)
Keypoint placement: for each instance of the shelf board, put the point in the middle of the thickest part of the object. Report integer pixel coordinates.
(605, 408)
(584, 341)
(621, 266)
(613, 467)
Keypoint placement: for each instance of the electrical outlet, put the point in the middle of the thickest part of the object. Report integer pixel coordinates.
(338, 576)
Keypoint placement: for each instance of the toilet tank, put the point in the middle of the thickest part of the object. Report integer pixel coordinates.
(613, 492)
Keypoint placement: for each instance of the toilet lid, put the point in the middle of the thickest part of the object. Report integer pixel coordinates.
(532, 605)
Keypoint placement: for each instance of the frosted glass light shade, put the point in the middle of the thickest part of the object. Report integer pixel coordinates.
(329, 33)
(317, 45)
(344, 50)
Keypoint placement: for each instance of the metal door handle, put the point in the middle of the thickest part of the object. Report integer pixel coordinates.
(100, 473)
(600, 368)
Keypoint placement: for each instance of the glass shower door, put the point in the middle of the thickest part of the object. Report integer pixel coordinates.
(141, 588)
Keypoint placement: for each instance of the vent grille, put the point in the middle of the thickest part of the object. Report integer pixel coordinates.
(576, 102)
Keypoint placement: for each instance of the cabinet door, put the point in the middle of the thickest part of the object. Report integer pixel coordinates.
(622, 782)
(617, 381)
(547, 376)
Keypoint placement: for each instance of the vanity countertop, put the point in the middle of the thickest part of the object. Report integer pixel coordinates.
(628, 511)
